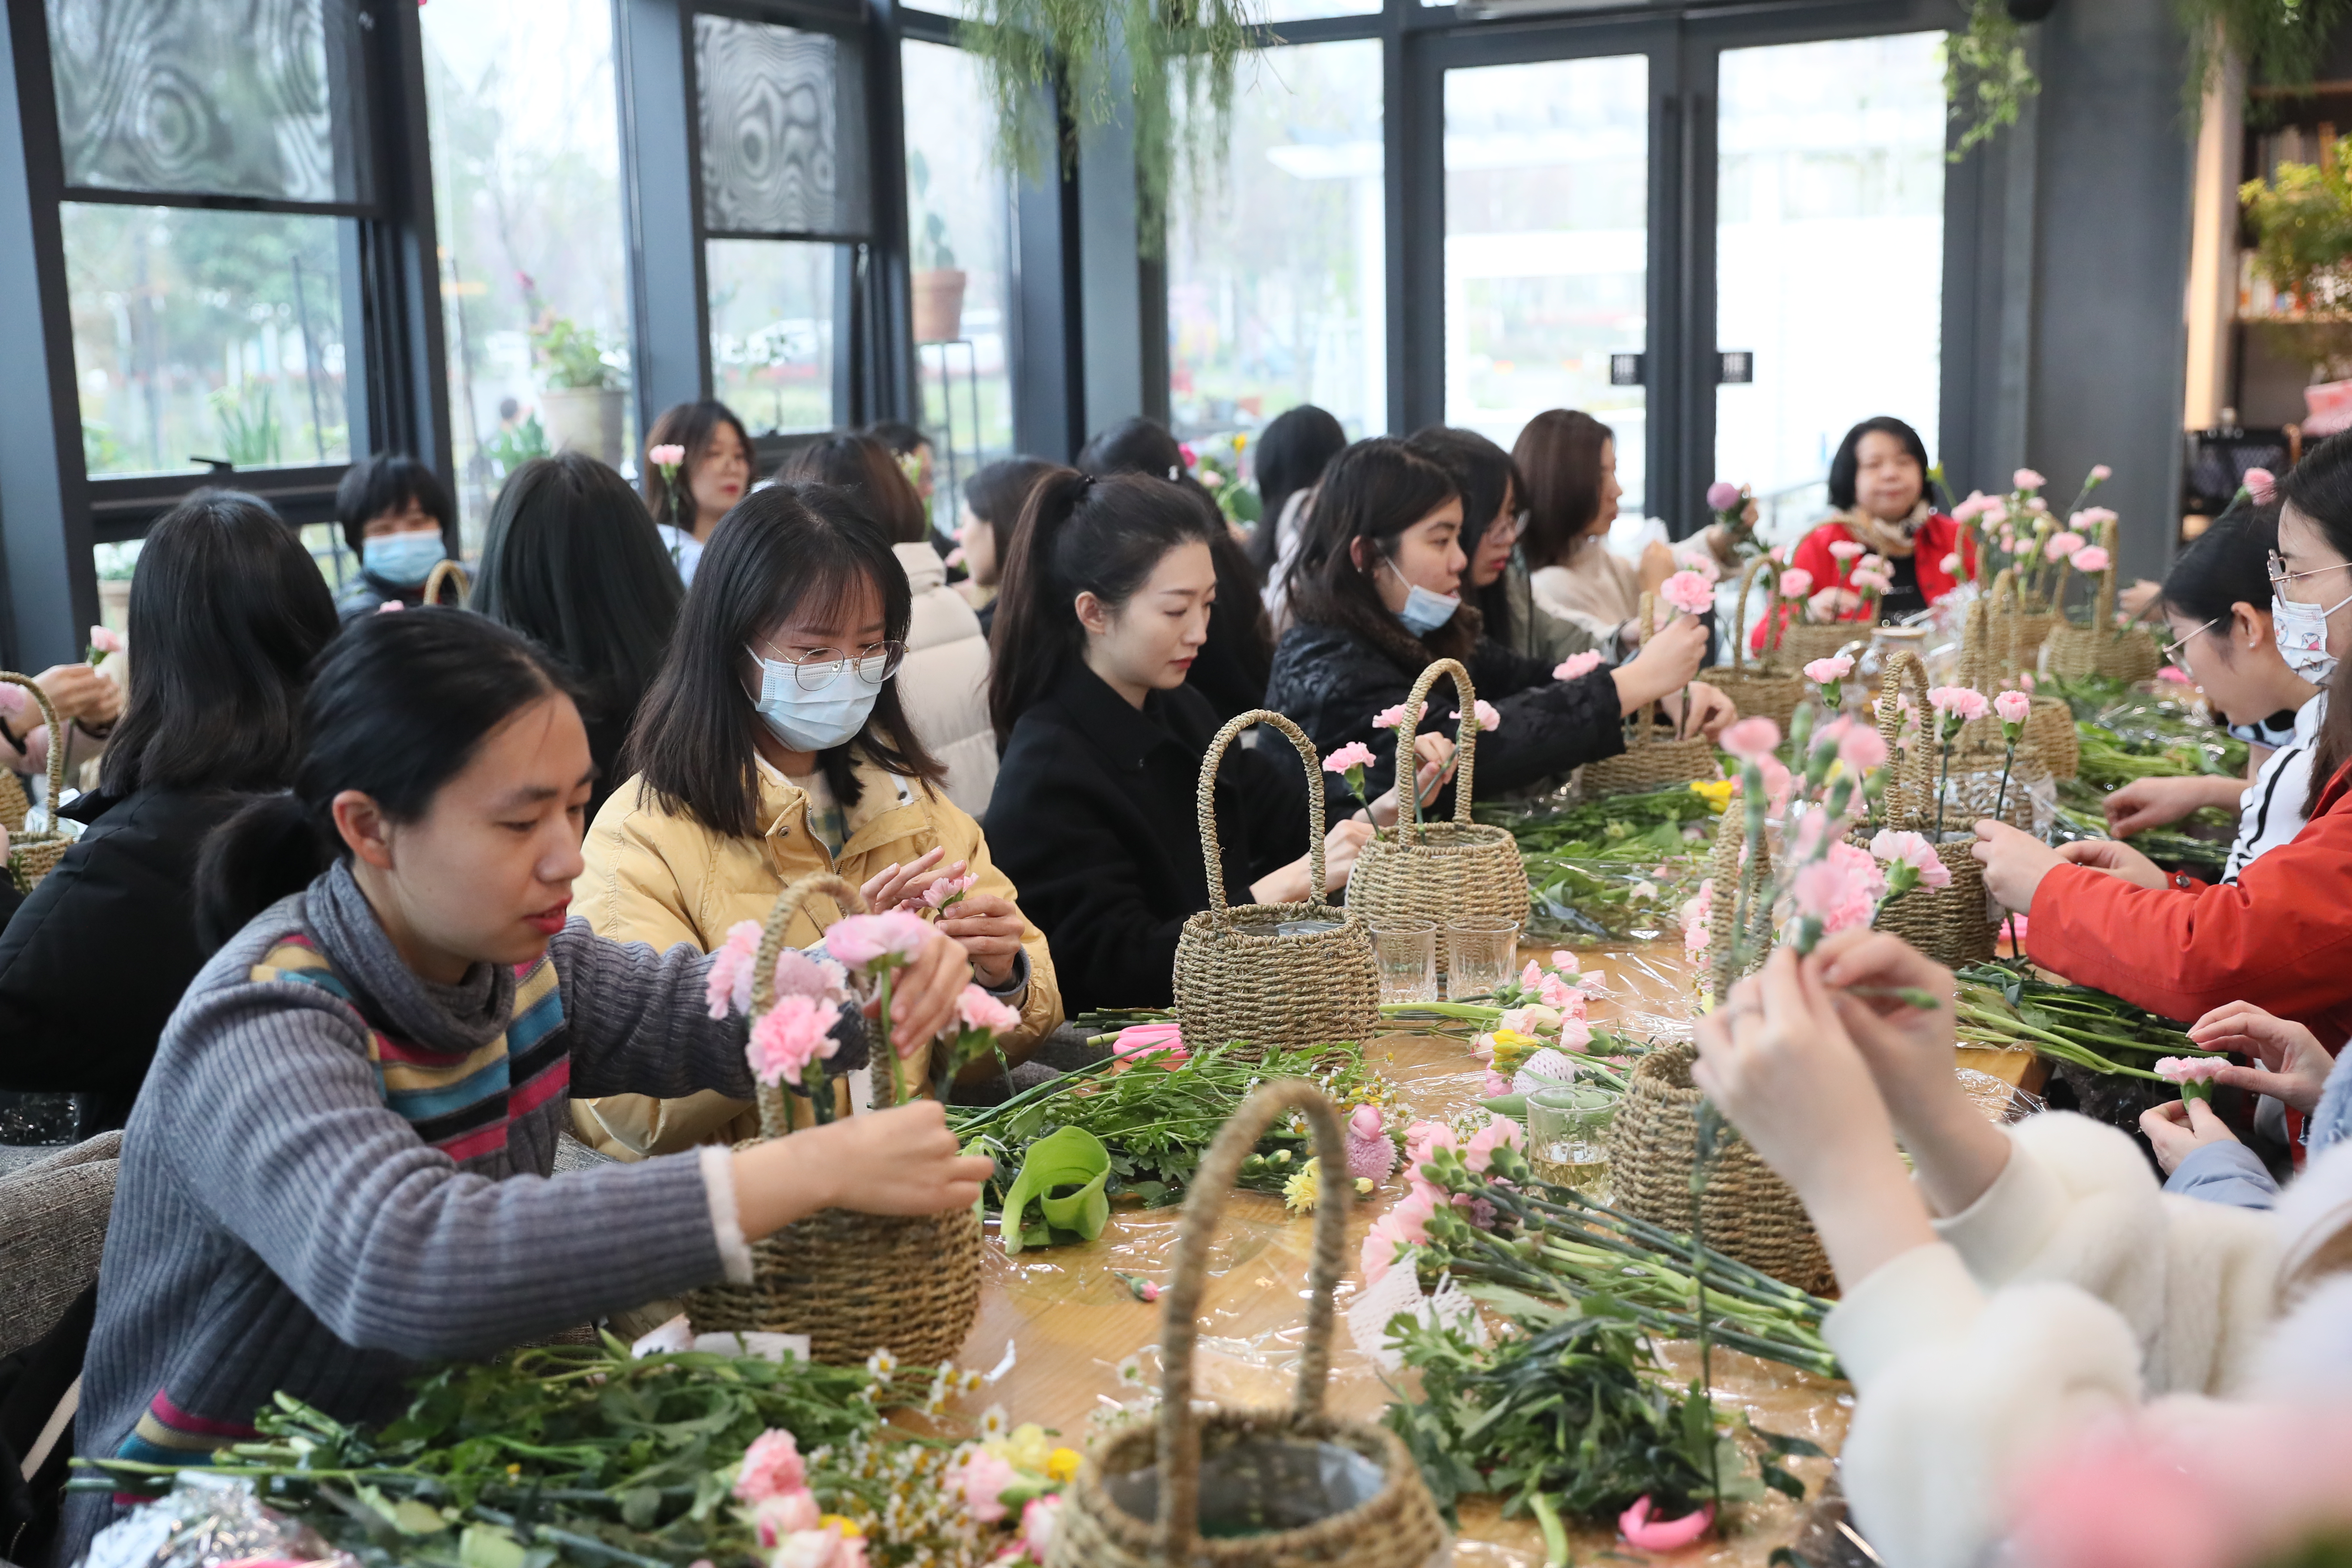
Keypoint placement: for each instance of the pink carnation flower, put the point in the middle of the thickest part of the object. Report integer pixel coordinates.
(1840, 890)
(1499, 1134)
(1388, 717)
(2190, 1070)
(728, 982)
(789, 1036)
(1700, 562)
(1722, 495)
(1577, 666)
(1951, 564)
(1554, 992)
(1972, 507)
(983, 1478)
(1960, 701)
(1407, 1224)
(1821, 672)
(106, 639)
(2175, 674)
(2261, 484)
(1139, 1042)
(1488, 720)
(1875, 582)
(787, 1513)
(2012, 706)
(2062, 544)
(1688, 592)
(2092, 518)
(979, 1010)
(861, 941)
(771, 1466)
(667, 455)
(1912, 849)
(945, 890)
(1650, 1535)
(1751, 738)
(2090, 559)
(1354, 754)
(2026, 480)
(1423, 1138)
(1575, 1035)
(1796, 582)
(1037, 1516)
(1845, 549)
(798, 975)
(1860, 749)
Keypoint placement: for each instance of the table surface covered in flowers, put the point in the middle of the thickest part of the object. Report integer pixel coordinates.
(1082, 1340)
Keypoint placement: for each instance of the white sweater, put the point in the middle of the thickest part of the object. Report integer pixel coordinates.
(944, 681)
(2073, 1289)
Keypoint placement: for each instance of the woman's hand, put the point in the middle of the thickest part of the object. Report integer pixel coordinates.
(1434, 765)
(2178, 1128)
(2144, 803)
(2119, 860)
(923, 993)
(989, 929)
(1710, 710)
(1666, 663)
(2014, 863)
(1778, 1060)
(80, 692)
(897, 886)
(1289, 885)
(2295, 1065)
(903, 1161)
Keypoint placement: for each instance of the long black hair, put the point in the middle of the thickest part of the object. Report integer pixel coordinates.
(1373, 491)
(1487, 480)
(780, 549)
(1847, 465)
(691, 425)
(2320, 489)
(228, 611)
(1077, 535)
(571, 560)
(861, 463)
(1289, 456)
(396, 709)
(388, 482)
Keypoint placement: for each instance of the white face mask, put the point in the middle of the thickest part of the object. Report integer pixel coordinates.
(2300, 633)
(820, 719)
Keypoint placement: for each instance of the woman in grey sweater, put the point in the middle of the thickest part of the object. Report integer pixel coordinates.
(340, 1167)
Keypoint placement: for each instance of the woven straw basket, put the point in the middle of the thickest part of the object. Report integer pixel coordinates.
(33, 855)
(1438, 871)
(1752, 687)
(1745, 1209)
(13, 802)
(1648, 762)
(2127, 655)
(1947, 924)
(446, 570)
(1736, 885)
(854, 1283)
(1138, 1501)
(2049, 736)
(1238, 977)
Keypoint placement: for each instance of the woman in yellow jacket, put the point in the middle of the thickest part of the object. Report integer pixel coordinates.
(772, 745)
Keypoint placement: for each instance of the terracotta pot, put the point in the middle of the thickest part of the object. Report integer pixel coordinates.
(585, 419)
(939, 305)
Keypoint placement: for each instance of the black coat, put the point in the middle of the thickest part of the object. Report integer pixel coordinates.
(1094, 820)
(94, 961)
(1330, 681)
(372, 593)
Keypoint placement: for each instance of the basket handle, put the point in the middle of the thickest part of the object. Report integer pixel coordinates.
(1731, 880)
(445, 571)
(1649, 620)
(1770, 569)
(2103, 613)
(1204, 801)
(775, 1117)
(1179, 1429)
(1465, 744)
(1904, 670)
(57, 739)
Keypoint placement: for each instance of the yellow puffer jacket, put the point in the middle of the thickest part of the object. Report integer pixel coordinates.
(663, 878)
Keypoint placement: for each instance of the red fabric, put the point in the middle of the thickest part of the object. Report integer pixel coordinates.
(1938, 537)
(2281, 937)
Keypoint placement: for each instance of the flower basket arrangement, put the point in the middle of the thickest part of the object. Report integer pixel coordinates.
(33, 855)
(1754, 688)
(1650, 760)
(853, 1283)
(2019, 533)
(1944, 915)
(1241, 979)
(2121, 653)
(1243, 1488)
(1438, 870)
(1990, 660)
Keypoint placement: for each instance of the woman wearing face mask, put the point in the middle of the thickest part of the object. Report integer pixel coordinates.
(772, 744)
(2279, 937)
(716, 474)
(1493, 509)
(396, 517)
(1376, 593)
(2217, 602)
(1109, 588)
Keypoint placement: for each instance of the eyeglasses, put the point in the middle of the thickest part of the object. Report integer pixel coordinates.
(817, 668)
(2172, 649)
(2280, 576)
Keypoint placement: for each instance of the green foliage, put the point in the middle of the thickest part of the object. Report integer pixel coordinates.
(2283, 42)
(2302, 220)
(932, 250)
(511, 449)
(247, 417)
(1585, 863)
(1165, 67)
(1986, 78)
(571, 355)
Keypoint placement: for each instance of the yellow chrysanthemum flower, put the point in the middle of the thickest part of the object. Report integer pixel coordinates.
(1300, 1191)
(1716, 793)
(1061, 1464)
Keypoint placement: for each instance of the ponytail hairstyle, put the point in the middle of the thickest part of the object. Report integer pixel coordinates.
(780, 549)
(1289, 455)
(2320, 489)
(1559, 454)
(396, 709)
(1487, 478)
(228, 611)
(862, 464)
(1077, 535)
(1373, 491)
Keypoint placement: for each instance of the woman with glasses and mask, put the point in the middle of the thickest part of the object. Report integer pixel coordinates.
(1493, 511)
(774, 743)
(2279, 938)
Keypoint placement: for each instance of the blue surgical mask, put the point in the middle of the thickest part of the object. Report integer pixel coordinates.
(403, 559)
(1425, 612)
(818, 721)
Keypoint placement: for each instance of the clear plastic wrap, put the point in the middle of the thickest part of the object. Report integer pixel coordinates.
(210, 1521)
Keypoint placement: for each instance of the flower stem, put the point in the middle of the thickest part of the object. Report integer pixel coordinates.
(897, 1082)
(2001, 796)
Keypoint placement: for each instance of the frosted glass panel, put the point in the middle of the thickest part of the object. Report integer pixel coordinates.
(783, 130)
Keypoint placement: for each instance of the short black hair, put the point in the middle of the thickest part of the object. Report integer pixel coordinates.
(1288, 456)
(227, 612)
(388, 482)
(1848, 461)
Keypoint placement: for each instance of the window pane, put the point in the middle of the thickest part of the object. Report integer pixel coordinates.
(958, 207)
(783, 140)
(534, 275)
(205, 334)
(1831, 254)
(1303, 10)
(249, 98)
(1546, 247)
(772, 329)
(1278, 282)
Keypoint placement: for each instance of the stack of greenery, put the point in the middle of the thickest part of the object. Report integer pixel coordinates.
(2007, 1007)
(2127, 735)
(1609, 867)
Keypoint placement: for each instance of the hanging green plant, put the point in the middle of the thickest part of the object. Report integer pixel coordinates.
(1986, 78)
(1166, 67)
(2283, 42)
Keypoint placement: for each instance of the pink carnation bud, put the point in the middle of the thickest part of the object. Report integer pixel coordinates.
(2190, 1070)
(106, 639)
(1912, 849)
(2101, 473)
(1577, 666)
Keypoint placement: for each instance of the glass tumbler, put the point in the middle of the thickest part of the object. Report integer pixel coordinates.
(1568, 1137)
(1480, 952)
(1406, 954)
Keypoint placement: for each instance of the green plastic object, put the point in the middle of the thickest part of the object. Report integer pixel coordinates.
(1064, 1175)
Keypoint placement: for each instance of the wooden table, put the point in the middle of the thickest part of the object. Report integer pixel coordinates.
(1071, 1321)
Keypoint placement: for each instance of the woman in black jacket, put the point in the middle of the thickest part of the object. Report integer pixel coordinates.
(227, 610)
(1105, 605)
(1376, 593)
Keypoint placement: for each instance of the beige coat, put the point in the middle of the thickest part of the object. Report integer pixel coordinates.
(663, 878)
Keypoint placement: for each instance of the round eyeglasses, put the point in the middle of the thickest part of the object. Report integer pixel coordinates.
(2280, 576)
(817, 668)
(2172, 649)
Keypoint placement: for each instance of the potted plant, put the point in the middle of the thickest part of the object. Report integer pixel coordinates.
(581, 402)
(938, 282)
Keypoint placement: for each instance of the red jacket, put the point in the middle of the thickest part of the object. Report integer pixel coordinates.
(1938, 537)
(2280, 938)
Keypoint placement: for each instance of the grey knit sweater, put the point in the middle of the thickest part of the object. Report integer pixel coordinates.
(336, 1171)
